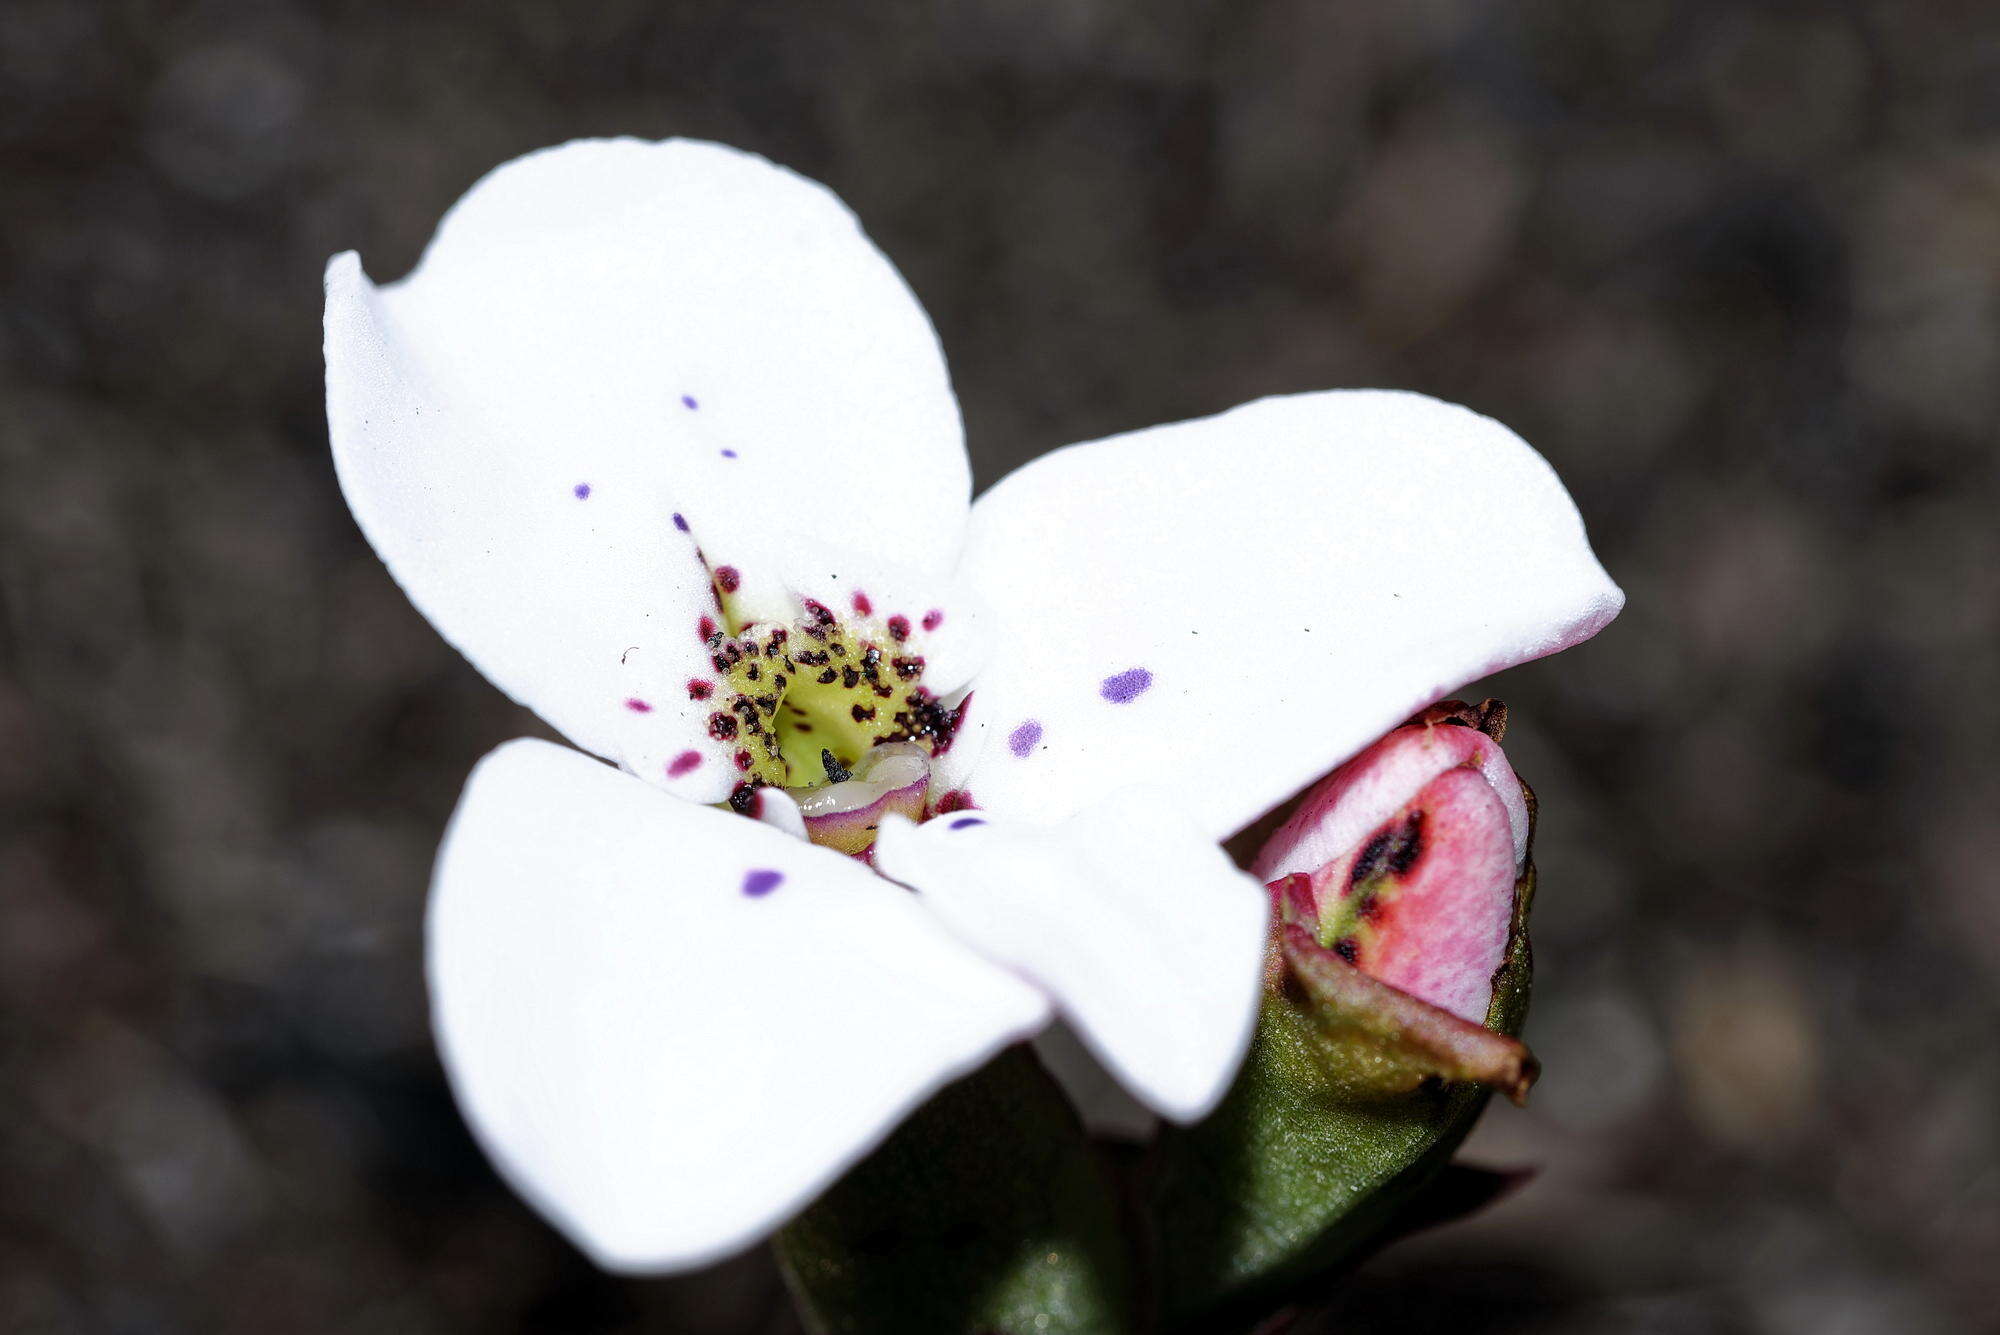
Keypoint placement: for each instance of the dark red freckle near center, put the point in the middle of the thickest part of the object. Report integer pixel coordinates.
(683, 763)
(706, 628)
(727, 579)
(638, 706)
(899, 628)
(743, 760)
(861, 604)
(721, 726)
(699, 689)
(933, 618)
(760, 881)
(958, 799)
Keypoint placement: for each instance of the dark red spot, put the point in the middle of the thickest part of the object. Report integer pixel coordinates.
(745, 800)
(743, 760)
(802, 727)
(727, 579)
(1409, 845)
(638, 706)
(707, 628)
(863, 713)
(721, 726)
(933, 618)
(827, 676)
(958, 799)
(817, 611)
(1348, 949)
(909, 669)
(683, 763)
(699, 689)
(899, 628)
(862, 605)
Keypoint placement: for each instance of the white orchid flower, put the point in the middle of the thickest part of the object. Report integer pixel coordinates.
(666, 448)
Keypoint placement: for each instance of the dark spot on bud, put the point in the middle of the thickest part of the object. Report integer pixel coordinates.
(835, 771)
(721, 726)
(1409, 845)
(743, 760)
(849, 678)
(743, 799)
(863, 713)
(753, 672)
(1370, 862)
(908, 668)
(899, 628)
(828, 677)
(1347, 948)
(727, 579)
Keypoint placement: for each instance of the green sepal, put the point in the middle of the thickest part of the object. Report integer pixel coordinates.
(1317, 1153)
(988, 1210)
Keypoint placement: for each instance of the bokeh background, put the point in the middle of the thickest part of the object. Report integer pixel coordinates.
(1734, 267)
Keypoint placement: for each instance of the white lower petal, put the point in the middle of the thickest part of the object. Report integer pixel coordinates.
(1232, 606)
(672, 1026)
(1149, 940)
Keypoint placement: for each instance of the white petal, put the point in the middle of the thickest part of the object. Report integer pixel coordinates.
(1150, 941)
(1236, 604)
(625, 317)
(672, 1026)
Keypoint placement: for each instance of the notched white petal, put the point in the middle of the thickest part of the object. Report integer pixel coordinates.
(1150, 941)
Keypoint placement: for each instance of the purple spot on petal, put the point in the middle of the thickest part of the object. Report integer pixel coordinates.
(582, 491)
(933, 619)
(964, 822)
(687, 401)
(1126, 686)
(680, 523)
(1022, 740)
(729, 454)
(638, 706)
(683, 763)
(761, 881)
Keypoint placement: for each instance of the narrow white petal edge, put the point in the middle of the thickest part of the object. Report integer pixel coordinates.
(1234, 605)
(670, 1026)
(1150, 941)
(560, 575)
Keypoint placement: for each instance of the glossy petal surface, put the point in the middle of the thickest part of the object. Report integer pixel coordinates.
(671, 1026)
(614, 351)
(1234, 605)
(1149, 940)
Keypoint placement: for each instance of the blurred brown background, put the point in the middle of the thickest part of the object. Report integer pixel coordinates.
(1734, 268)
